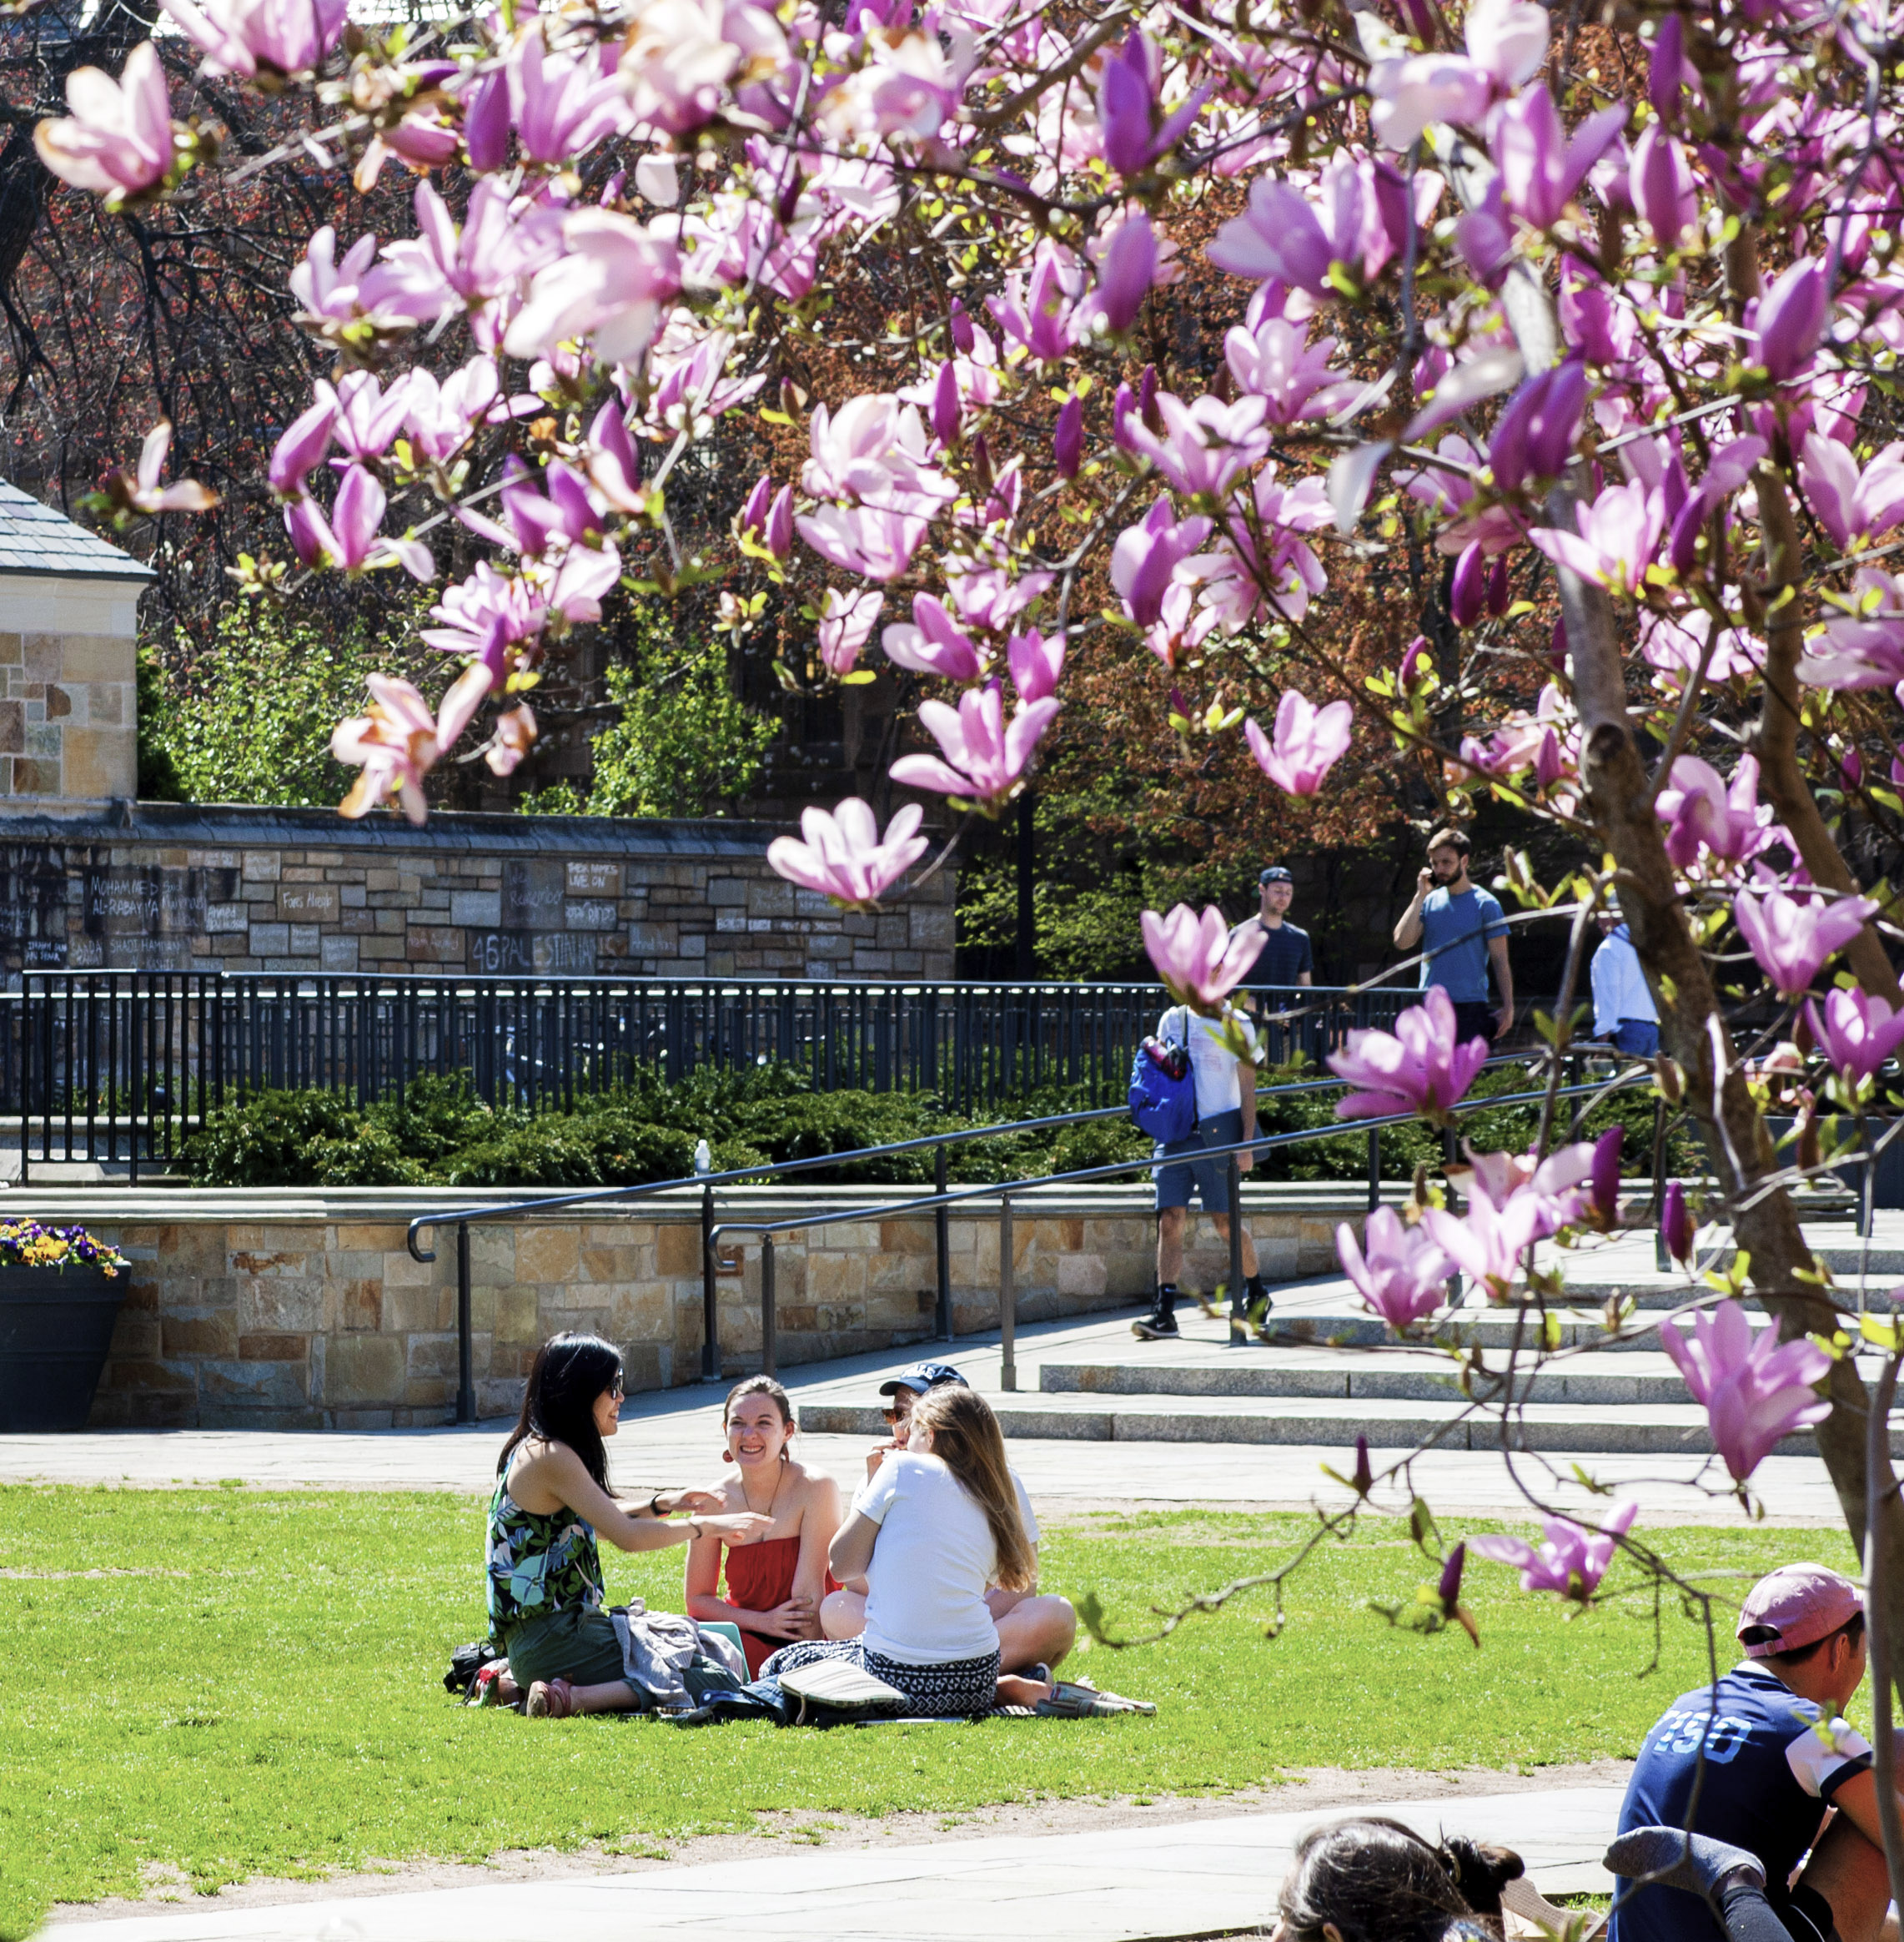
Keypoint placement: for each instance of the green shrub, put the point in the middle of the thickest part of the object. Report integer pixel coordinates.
(268, 1139)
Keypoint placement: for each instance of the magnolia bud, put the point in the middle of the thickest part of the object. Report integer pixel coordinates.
(1146, 401)
(1676, 1223)
(1500, 596)
(962, 332)
(1067, 438)
(1466, 595)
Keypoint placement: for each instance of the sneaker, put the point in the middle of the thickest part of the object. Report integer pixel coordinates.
(1159, 1326)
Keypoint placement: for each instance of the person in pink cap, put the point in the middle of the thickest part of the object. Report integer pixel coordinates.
(1768, 1751)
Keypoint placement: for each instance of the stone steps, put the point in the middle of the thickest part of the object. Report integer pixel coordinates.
(1654, 1428)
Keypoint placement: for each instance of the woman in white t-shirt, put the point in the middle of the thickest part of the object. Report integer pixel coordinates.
(934, 1526)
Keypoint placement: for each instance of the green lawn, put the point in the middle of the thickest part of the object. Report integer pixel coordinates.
(235, 1684)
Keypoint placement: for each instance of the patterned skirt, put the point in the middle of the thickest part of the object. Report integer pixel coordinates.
(958, 1689)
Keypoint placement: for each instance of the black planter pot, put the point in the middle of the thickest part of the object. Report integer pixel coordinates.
(1887, 1190)
(56, 1325)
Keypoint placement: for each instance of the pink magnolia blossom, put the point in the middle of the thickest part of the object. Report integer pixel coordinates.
(1857, 1033)
(1506, 41)
(1790, 317)
(1541, 171)
(1707, 815)
(1852, 504)
(1145, 561)
(1281, 234)
(1134, 134)
(497, 621)
(141, 491)
(846, 625)
(843, 857)
(932, 642)
(440, 417)
(1534, 436)
(1308, 744)
(1663, 186)
(250, 37)
(1035, 660)
(1038, 316)
(681, 54)
(478, 266)
(364, 417)
(1865, 647)
(985, 759)
(396, 744)
(1206, 445)
(1490, 1240)
(302, 447)
(1792, 940)
(1403, 1277)
(514, 736)
(1618, 536)
(1292, 377)
(561, 107)
(875, 545)
(1676, 645)
(118, 141)
(349, 538)
(1418, 1068)
(1198, 959)
(1573, 1560)
(325, 288)
(609, 285)
(1755, 1391)
(1125, 275)
(1498, 1177)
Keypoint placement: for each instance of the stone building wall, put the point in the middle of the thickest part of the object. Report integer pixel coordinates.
(261, 1310)
(166, 887)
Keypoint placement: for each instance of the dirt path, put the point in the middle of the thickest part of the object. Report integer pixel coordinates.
(1303, 1789)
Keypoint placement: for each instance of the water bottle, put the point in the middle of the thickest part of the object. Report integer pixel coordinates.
(703, 1158)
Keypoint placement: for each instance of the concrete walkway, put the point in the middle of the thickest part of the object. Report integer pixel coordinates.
(1197, 1877)
(673, 1436)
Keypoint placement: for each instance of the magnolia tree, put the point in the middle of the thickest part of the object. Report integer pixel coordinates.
(1612, 344)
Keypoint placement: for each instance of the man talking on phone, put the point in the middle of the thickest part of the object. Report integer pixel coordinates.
(1462, 929)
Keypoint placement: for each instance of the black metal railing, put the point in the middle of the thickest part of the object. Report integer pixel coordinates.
(939, 1203)
(116, 1066)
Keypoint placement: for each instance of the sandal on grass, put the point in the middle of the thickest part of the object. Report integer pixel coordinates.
(551, 1699)
(1081, 1700)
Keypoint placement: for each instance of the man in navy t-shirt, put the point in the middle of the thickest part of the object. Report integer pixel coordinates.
(1461, 929)
(1777, 1754)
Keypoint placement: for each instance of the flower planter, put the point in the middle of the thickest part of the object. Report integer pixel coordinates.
(56, 1325)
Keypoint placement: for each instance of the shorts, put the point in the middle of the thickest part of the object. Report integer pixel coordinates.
(958, 1689)
(573, 1643)
(1637, 1038)
(1183, 1164)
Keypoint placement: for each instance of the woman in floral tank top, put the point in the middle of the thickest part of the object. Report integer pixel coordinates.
(551, 1498)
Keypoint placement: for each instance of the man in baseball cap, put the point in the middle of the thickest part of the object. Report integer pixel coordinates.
(1777, 1754)
(1035, 1629)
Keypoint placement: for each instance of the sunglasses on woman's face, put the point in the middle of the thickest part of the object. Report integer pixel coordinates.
(617, 1391)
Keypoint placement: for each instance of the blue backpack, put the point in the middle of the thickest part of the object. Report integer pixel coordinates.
(1162, 1093)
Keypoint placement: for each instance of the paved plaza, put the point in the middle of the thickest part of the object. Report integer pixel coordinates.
(1215, 1873)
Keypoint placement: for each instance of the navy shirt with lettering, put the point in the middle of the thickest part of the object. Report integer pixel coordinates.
(1772, 1763)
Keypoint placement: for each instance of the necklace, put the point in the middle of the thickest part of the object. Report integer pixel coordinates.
(773, 1500)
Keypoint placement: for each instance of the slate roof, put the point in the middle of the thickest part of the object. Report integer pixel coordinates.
(39, 539)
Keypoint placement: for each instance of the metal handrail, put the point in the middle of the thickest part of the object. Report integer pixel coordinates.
(1004, 1190)
(940, 1202)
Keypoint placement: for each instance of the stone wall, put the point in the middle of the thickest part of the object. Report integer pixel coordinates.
(165, 887)
(262, 1309)
(67, 715)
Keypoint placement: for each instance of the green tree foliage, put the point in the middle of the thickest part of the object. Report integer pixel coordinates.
(682, 742)
(248, 717)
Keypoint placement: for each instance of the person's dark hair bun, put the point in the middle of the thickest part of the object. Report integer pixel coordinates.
(1481, 1871)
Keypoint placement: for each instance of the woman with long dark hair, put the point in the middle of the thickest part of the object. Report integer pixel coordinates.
(546, 1591)
(936, 1525)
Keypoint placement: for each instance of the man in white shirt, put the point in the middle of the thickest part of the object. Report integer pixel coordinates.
(1226, 1113)
(1623, 1013)
(1036, 1629)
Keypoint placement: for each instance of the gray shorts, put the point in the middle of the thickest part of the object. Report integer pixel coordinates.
(1184, 1164)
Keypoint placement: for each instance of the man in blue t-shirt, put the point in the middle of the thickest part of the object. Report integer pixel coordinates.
(1777, 1754)
(1461, 929)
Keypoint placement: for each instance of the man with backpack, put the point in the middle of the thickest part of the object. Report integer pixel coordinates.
(1223, 1087)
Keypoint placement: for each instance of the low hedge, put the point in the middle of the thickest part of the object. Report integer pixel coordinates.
(440, 1133)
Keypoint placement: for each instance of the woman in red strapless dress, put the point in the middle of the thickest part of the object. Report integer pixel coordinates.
(774, 1584)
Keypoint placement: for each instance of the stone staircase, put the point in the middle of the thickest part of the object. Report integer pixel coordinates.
(1327, 1373)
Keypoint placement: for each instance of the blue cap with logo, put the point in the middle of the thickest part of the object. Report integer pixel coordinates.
(923, 1376)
